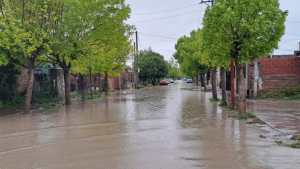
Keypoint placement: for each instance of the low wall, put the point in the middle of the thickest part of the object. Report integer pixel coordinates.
(282, 72)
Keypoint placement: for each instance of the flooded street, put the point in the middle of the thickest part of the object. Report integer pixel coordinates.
(172, 127)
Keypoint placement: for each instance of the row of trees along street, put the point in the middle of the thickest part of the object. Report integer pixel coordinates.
(234, 34)
(82, 37)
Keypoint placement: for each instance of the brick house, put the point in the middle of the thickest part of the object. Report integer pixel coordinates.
(124, 81)
(277, 71)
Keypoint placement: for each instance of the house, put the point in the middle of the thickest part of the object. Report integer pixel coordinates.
(275, 72)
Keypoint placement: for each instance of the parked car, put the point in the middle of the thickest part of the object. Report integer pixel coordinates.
(189, 81)
(171, 81)
(164, 83)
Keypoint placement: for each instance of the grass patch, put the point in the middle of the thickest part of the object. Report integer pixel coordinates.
(223, 104)
(295, 145)
(243, 116)
(96, 95)
(292, 93)
(214, 100)
(14, 103)
(246, 116)
(44, 102)
(296, 137)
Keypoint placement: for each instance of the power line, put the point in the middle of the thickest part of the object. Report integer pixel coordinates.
(159, 36)
(166, 17)
(167, 10)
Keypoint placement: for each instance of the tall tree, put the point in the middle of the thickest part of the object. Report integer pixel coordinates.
(190, 56)
(85, 24)
(240, 31)
(152, 67)
(173, 69)
(25, 29)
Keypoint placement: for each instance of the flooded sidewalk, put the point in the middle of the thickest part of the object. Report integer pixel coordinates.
(167, 127)
(281, 115)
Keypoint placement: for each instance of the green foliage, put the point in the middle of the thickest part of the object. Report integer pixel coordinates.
(295, 145)
(152, 67)
(243, 116)
(173, 69)
(24, 30)
(92, 36)
(8, 88)
(243, 30)
(292, 93)
(89, 36)
(3, 60)
(189, 54)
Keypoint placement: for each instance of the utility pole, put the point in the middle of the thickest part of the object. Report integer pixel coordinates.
(135, 62)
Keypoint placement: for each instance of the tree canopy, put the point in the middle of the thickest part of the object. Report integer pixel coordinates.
(152, 66)
(94, 33)
(83, 36)
(173, 69)
(243, 30)
(190, 55)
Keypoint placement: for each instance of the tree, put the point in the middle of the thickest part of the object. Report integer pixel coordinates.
(173, 69)
(25, 26)
(189, 54)
(104, 60)
(84, 27)
(3, 60)
(241, 31)
(152, 67)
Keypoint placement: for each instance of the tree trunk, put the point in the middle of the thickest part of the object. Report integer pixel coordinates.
(214, 83)
(202, 81)
(90, 83)
(223, 86)
(255, 79)
(233, 83)
(106, 83)
(99, 85)
(82, 87)
(242, 89)
(197, 79)
(67, 85)
(208, 78)
(29, 89)
(95, 83)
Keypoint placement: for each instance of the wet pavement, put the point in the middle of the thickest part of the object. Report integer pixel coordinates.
(171, 127)
(280, 115)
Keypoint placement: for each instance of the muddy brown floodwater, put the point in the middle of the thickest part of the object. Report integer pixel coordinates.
(169, 127)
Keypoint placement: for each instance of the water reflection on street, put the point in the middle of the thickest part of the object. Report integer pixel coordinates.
(171, 127)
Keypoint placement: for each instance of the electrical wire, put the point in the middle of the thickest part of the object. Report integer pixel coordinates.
(166, 10)
(158, 36)
(164, 18)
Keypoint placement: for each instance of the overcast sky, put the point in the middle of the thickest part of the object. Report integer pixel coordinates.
(161, 22)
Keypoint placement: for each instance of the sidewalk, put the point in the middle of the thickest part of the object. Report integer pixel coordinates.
(282, 115)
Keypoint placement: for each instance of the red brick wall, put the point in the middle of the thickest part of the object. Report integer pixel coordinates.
(280, 72)
(114, 83)
(122, 81)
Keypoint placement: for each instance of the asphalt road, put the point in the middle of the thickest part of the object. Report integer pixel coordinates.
(170, 127)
